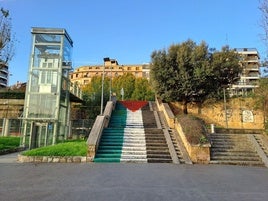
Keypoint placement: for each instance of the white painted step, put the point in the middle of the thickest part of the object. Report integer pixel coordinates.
(134, 160)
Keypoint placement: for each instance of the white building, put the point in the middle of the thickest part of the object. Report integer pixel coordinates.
(250, 75)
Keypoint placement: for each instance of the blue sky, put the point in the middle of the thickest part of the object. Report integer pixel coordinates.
(130, 30)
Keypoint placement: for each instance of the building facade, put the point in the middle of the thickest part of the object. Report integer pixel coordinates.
(250, 75)
(83, 75)
(3, 75)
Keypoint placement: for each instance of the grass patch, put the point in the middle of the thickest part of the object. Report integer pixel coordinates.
(193, 128)
(9, 142)
(68, 148)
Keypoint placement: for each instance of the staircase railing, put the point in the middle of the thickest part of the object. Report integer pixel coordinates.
(100, 123)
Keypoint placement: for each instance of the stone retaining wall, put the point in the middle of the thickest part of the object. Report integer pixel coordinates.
(11, 108)
(197, 153)
(241, 113)
(53, 159)
(169, 116)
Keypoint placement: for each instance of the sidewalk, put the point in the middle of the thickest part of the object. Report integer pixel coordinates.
(9, 158)
(131, 182)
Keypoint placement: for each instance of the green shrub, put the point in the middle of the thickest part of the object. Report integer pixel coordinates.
(193, 128)
(9, 142)
(69, 148)
(12, 94)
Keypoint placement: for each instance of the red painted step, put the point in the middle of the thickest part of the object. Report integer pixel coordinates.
(134, 105)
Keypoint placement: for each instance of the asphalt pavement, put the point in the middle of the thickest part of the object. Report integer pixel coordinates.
(119, 181)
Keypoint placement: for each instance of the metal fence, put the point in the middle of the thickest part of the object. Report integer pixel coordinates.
(10, 127)
(79, 128)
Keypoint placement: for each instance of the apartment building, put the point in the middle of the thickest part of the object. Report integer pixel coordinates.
(3, 75)
(111, 68)
(250, 75)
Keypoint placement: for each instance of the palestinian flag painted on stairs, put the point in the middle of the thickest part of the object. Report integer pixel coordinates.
(124, 139)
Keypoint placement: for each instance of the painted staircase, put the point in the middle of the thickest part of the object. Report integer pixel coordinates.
(128, 138)
(234, 149)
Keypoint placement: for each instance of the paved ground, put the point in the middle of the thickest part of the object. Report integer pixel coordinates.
(115, 182)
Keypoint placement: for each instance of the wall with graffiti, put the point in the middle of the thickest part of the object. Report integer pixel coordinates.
(236, 113)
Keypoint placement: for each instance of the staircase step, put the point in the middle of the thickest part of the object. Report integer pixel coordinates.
(126, 140)
(242, 163)
(108, 155)
(164, 156)
(233, 149)
(157, 160)
(106, 160)
(128, 160)
(134, 152)
(231, 153)
(130, 156)
(236, 158)
(109, 147)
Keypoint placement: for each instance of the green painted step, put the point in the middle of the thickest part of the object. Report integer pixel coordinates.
(104, 151)
(108, 155)
(110, 139)
(107, 160)
(111, 142)
(109, 147)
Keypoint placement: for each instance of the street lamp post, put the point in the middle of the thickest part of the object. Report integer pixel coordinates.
(225, 107)
(110, 97)
(101, 110)
(102, 83)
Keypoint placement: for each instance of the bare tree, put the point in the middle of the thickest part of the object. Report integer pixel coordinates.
(6, 38)
(264, 19)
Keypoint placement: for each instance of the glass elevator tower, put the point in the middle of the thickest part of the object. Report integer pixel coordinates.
(47, 98)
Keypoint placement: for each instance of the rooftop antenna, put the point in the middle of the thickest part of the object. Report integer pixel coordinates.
(226, 39)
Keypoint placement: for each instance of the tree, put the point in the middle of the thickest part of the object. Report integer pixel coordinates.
(261, 99)
(188, 72)
(225, 65)
(92, 96)
(143, 90)
(6, 38)
(264, 20)
(125, 81)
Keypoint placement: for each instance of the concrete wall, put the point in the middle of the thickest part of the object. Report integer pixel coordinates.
(169, 116)
(11, 108)
(198, 153)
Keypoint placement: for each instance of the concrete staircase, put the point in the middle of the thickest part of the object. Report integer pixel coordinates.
(234, 149)
(156, 146)
(133, 136)
(262, 142)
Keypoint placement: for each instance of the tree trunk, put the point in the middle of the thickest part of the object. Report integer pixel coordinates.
(199, 105)
(185, 110)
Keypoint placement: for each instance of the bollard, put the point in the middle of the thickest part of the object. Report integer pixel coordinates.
(212, 128)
